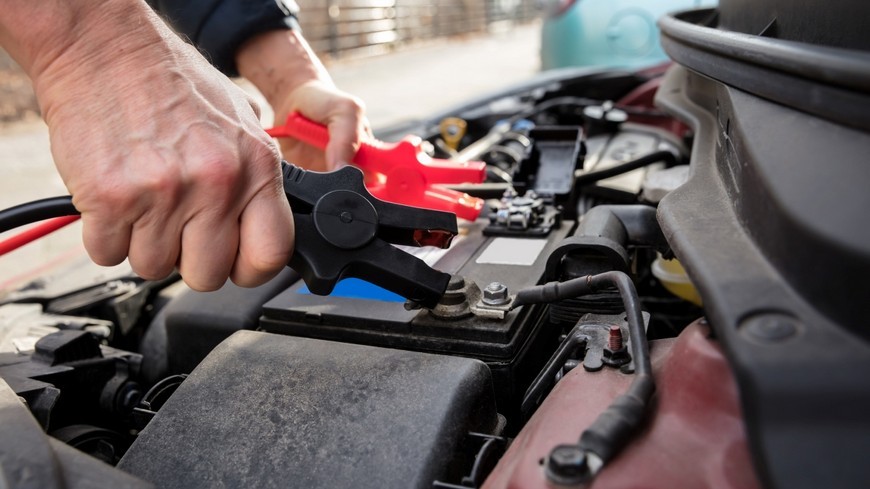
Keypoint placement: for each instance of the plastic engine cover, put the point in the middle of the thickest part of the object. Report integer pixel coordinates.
(264, 410)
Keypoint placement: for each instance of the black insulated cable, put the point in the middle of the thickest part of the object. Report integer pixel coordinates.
(546, 105)
(613, 428)
(38, 210)
(666, 157)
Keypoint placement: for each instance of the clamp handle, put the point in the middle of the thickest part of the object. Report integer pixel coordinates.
(400, 172)
(343, 231)
(301, 128)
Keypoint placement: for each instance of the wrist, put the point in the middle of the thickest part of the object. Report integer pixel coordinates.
(278, 62)
(114, 38)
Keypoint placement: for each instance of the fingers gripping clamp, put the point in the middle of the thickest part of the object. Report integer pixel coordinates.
(343, 231)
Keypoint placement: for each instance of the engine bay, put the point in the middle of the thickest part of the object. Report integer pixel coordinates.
(582, 338)
(552, 157)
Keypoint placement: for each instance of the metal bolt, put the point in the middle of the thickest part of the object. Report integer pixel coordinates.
(130, 399)
(456, 282)
(770, 327)
(615, 354)
(614, 339)
(567, 464)
(495, 294)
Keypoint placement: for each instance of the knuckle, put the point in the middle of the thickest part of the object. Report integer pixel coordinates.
(255, 107)
(161, 184)
(263, 149)
(151, 268)
(267, 263)
(203, 284)
(108, 201)
(266, 259)
(352, 105)
(261, 155)
(152, 272)
(220, 174)
(106, 258)
(250, 281)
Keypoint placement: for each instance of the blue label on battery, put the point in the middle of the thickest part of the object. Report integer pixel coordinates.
(355, 288)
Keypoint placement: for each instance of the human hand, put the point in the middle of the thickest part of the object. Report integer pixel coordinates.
(164, 156)
(284, 69)
(340, 112)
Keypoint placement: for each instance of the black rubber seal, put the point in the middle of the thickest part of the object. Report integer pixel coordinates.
(832, 83)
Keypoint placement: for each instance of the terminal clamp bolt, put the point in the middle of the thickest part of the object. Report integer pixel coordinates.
(496, 294)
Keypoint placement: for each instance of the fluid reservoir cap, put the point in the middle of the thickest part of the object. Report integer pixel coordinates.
(631, 32)
(673, 277)
(604, 118)
(345, 219)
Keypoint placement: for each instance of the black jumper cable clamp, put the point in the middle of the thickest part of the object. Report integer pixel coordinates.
(343, 231)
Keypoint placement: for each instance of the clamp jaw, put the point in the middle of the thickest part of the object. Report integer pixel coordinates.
(343, 231)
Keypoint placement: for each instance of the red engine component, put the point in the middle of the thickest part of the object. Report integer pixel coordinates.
(695, 437)
(640, 104)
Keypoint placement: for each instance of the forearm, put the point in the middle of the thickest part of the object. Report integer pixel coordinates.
(59, 43)
(285, 69)
(278, 62)
(33, 32)
(38, 34)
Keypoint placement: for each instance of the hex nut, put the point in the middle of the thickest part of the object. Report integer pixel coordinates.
(495, 294)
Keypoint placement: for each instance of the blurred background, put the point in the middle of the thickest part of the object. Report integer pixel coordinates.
(348, 34)
(342, 28)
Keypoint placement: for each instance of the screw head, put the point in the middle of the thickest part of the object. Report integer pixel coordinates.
(495, 294)
(770, 328)
(567, 463)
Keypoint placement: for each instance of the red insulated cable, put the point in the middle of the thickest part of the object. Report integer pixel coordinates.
(35, 233)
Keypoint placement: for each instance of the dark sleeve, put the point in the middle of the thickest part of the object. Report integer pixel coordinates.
(219, 27)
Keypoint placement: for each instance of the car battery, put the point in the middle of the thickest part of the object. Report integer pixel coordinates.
(362, 313)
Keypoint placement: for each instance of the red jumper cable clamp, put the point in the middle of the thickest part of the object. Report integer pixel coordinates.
(400, 172)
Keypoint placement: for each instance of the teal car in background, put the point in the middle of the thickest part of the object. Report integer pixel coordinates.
(611, 33)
